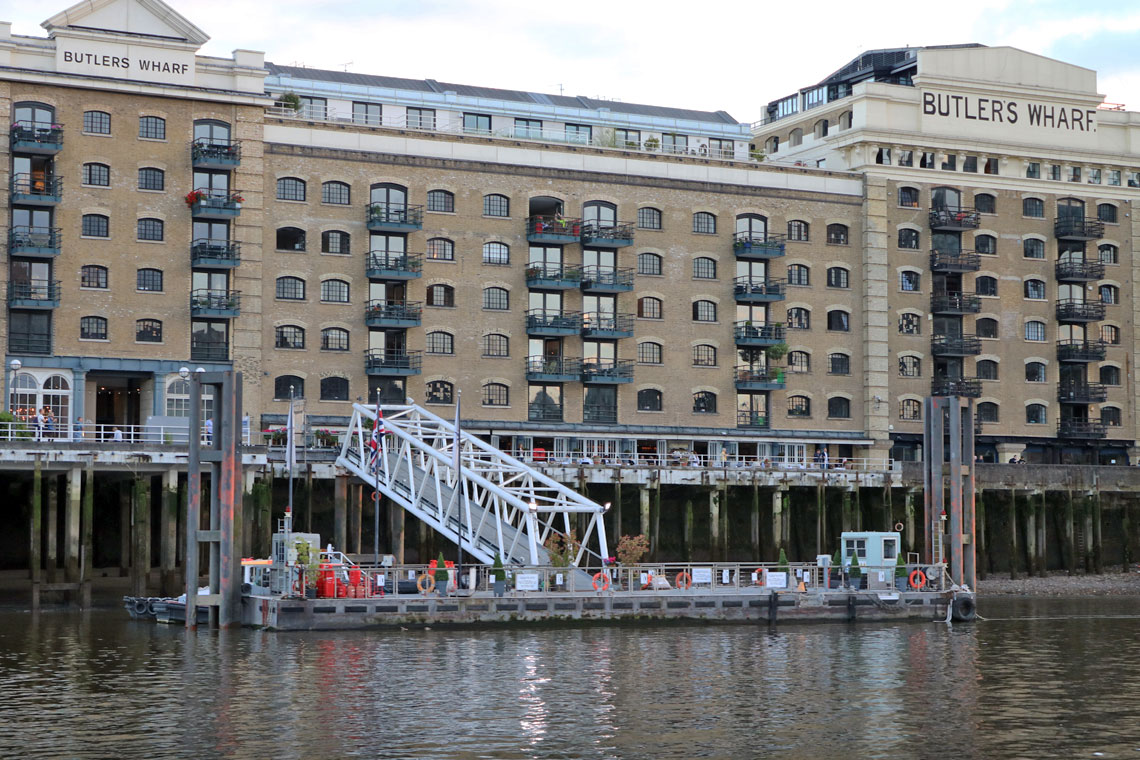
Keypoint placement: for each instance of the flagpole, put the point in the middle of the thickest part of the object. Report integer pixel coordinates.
(462, 492)
(289, 506)
(376, 491)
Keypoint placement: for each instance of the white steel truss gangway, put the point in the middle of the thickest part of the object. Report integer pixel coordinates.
(501, 505)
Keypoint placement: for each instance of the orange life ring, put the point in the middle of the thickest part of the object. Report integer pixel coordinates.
(683, 580)
(759, 576)
(917, 580)
(601, 582)
(648, 582)
(430, 583)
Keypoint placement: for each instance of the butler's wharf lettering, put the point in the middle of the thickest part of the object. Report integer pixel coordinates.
(124, 62)
(1003, 111)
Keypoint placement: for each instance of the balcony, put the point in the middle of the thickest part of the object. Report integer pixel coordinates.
(215, 303)
(757, 289)
(378, 361)
(384, 265)
(552, 277)
(607, 370)
(955, 303)
(955, 261)
(752, 246)
(33, 294)
(553, 322)
(749, 378)
(606, 280)
(206, 253)
(214, 204)
(955, 345)
(613, 235)
(749, 335)
(553, 369)
(36, 137)
(34, 241)
(380, 313)
(1082, 393)
(1074, 310)
(36, 190)
(1081, 350)
(394, 217)
(208, 153)
(599, 413)
(1079, 271)
(26, 343)
(967, 387)
(1078, 428)
(752, 420)
(597, 324)
(1077, 228)
(209, 350)
(954, 219)
(544, 412)
(553, 229)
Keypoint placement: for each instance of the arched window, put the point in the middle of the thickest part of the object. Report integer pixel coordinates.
(704, 355)
(96, 225)
(1035, 331)
(599, 214)
(751, 227)
(497, 254)
(496, 345)
(838, 320)
(151, 178)
(838, 408)
(1035, 414)
(649, 307)
(704, 223)
(152, 128)
(649, 218)
(97, 174)
(1034, 372)
(1109, 253)
(799, 406)
(704, 402)
(1110, 375)
(178, 399)
(984, 285)
(440, 342)
(704, 311)
(149, 280)
(799, 318)
(985, 244)
(334, 291)
(910, 239)
(290, 336)
(148, 331)
(908, 197)
(795, 137)
(496, 394)
(336, 193)
(336, 241)
(33, 115)
(799, 362)
(440, 295)
(910, 409)
(987, 412)
(648, 263)
(837, 234)
(838, 277)
(987, 369)
(1035, 289)
(440, 392)
(391, 198)
(910, 366)
(496, 205)
(819, 129)
(93, 276)
(986, 327)
(910, 282)
(441, 201)
(1109, 294)
(985, 203)
(496, 299)
(704, 268)
(290, 289)
(1032, 248)
(97, 122)
(1110, 334)
(1033, 207)
(910, 324)
(440, 249)
(649, 352)
(838, 364)
(150, 229)
(1106, 212)
(334, 389)
(798, 230)
(290, 189)
(93, 328)
(1111, 416)
(290, 239)
(334, 339)
(288, 386)
(649, 400)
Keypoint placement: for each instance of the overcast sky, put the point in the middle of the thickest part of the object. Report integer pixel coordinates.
(733, 55)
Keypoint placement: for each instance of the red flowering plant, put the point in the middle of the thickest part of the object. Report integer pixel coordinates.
(195, 196)
(235, 198)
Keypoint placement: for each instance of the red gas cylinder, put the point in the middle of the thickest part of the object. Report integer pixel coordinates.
(325, 583)
(341, 590)
(354, 576)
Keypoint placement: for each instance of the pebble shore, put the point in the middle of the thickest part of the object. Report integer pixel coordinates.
(1111, 583)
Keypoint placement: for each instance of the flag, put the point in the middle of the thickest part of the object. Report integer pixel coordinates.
(290, 446)
(377, 432)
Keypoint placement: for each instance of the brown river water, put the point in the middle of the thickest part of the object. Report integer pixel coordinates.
(1039, 678)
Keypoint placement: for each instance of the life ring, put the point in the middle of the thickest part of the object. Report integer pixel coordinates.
(648, 582)
(964, 609)
(683, 580)
(899, 527)
(601, 582)
(430, 587)
(759, 576)
(917, 580)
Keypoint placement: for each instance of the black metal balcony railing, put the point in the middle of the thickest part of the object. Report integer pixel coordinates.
(1081, 350)
(1079, 271)
(206, 151)
(209, 350)
(207, 252)
(1077, 228)
(607, 235)
(745, 244)
(750, 419)
(599, 413)
(554, 321)
(604, 323)
(553, 229)
(381, 361)
(23, 343)
(35, 188)
(214, 203)
(968, 387)
(215, 301)
(955, 303)
(758, 288)
(955, 345)
(33, 292)
(747, 375)
(544, 413)
(1075, 310)
(385, 264)
(607, 370)
(395, 216)
(553, 276)
(393, 312)
(607, 279)
(44, 240)
(1082, 392)
(955, 218)
(554, 366)
(955, 261)
(749, 334)
(1081, 428)
(36, 137)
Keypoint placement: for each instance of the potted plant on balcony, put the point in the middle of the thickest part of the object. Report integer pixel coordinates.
(652, 144)
(441, 575)
(237, 200)
(195, 196)
(498, 576)
(326, 438)
(290, 100)
(777, 352)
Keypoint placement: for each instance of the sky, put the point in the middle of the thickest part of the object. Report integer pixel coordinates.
(734, 55)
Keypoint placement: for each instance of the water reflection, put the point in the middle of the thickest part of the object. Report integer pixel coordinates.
(1042, 678)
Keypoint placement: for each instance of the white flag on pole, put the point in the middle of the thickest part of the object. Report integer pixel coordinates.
(290, 446)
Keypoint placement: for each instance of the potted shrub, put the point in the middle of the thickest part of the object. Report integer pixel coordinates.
(290, 100)
(441, 575)
(309, 561)
(498, 576)
(562, 550)
(855, 574)
(326, 438)
(836, 570)
(782, 566)
(652, 143)
(900, 573)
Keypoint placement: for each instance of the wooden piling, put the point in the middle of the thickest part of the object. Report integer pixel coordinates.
(140, 536)
(168, 534)
(1042, 535)
(1070, 546)
(35, 536)
(755, 526)
(643, 509)
(355, 512)
(340, 513)
(87, 535)
(655, 538)
(714, 524)
(983, 559)
(687, 530)
(1013, 534)
(1030, 535)
(51, 526)
(71, 522)
(124, 528)
(1097, 518)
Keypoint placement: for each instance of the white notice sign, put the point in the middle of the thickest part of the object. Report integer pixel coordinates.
(777, 580)
(644, 579)
(724, 577)
(558, 578)
(702, 575)
(526, 582)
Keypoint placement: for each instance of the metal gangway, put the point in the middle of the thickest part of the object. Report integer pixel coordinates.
(493, 504)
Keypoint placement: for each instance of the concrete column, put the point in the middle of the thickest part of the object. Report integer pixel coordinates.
(1013, 534)
(1030, 535)
(616, 509)
(778, 519)
(980, 515)
(168, 533)
(821, 515)
(397, 521)
(1128, 549)
(847, 516)
(714, 524)
(1088, 547)
(643, 499)
(687, 530)
(1042, 535)
(355, 510)
(1097, 545)
(655, 537)
(78, 394)
(87, 534)
(1070, 543)
(909, 509)
(725, 522)
(340, 513)
(71, 524)
(140, 536)
(51, 523)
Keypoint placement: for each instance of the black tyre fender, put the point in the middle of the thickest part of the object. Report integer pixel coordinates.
(964, 609)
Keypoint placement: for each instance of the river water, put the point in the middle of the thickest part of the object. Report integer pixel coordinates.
(1039, 678)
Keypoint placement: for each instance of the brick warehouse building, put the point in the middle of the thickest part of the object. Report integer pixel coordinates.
(598, 277)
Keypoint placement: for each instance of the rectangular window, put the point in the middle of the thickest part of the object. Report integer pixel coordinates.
(314, 108)
(477, 123)
(970, 164)
(1114, 177)
(97, 174)
(950, 163)
(1074, 174)
(671, 143)
(421, 118)
(1033, 170)
(627, 138)
(578, 133)
(927, 160)
(1094, 176)
(367, 113)
(1055, 172)
(152, 179)
(991, 166)
(97, 122)
(528, 128)
(883, 156)
(721, 148)
(152, 128)
(906, 158)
